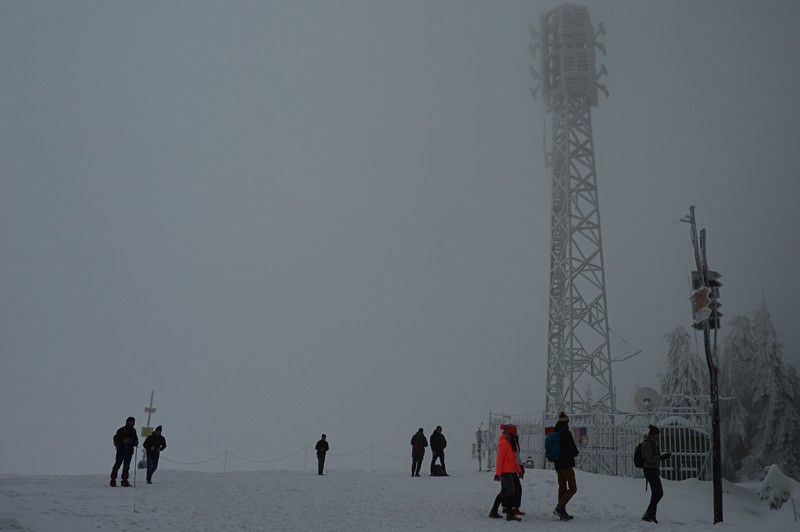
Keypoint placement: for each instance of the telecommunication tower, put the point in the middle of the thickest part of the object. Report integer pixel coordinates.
(578, 354)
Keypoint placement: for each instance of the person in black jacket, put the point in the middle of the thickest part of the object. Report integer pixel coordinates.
(321, 448)
(418, 444)
(125, 441)
(652, 457)
(438, 443)
(565, 467)
(153, 445)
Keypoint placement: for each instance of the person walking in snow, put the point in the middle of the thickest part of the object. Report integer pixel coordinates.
(651, 457)
(517, 500)
(153, 445)
(565, 466)
(418, 444)
(438, 443)
(321, 447)
(125, 441)
(507, 468)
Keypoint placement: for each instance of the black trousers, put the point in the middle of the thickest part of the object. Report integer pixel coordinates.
(438, 453)
(507, 491)
(416, 463)
(320, 462)
(516, 501)
(656, 491)
(123, 458)
(152, 464)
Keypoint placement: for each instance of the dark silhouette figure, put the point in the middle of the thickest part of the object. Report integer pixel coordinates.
(125, 441)
(153, 445)
(418, 444)
(321, 448)
(652, 458)
(438, 444)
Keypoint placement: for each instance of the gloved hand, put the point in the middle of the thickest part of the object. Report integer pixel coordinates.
(497, 478)
(666, 455)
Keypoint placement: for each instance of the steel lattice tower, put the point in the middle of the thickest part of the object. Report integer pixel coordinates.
(578, 355)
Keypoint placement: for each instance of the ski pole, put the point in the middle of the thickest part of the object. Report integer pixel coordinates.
(135, 463)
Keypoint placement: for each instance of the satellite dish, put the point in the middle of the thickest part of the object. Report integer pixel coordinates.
(647, 399)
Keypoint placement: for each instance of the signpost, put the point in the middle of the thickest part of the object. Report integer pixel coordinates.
(700, 301)
(147, 430)
(704, 281)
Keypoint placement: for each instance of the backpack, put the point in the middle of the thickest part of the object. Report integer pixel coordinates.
(437, 471)
(552, 446)
(638, 459)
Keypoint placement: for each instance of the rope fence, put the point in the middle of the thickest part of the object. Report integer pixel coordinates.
(305, 449)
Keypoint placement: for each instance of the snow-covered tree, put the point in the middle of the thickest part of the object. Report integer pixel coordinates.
(686, 378)
(776, 418)
(736, 395)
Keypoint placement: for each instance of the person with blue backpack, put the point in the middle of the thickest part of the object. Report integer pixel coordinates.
(560, 449)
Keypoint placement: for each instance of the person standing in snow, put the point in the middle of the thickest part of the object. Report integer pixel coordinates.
(153, 445)
(565, 467)
(651, 457)
(438, 443)
(418, 444)
(321, 448)
(125, 441)
(507, 468)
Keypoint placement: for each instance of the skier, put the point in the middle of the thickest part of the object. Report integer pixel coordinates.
(124, 440)
(652, 457)
(565, 467)
(321, 448)
(507, 467)
(153, 445)
(418, 444)
(438, 444)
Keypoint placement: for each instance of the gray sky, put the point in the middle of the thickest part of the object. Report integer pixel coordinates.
(289, 218)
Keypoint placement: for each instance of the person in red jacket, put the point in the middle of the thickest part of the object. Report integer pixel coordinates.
(507, 469)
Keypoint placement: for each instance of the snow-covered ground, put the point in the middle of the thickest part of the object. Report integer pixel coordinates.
(359, 500)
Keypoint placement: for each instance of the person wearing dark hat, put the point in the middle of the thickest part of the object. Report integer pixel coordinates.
(153, 445)
(565, 466)
(418, 444)
(651, 457)
(438, 443)
(505, 472)
(125, 441)
(321, 447)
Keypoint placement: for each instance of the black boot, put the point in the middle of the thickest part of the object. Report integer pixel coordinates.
(510, 515)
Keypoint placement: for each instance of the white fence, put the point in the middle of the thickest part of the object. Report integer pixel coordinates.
(607, 441)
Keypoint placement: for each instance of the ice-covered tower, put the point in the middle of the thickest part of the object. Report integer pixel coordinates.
(578, 354)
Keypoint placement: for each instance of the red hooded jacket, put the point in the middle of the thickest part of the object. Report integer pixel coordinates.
(506, 457)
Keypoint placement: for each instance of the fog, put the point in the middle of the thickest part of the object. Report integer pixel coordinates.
(290, 218)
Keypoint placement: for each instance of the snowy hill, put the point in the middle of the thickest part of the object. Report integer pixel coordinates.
(352, 500)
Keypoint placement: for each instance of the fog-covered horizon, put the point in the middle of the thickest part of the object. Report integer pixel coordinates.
(290, 218)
